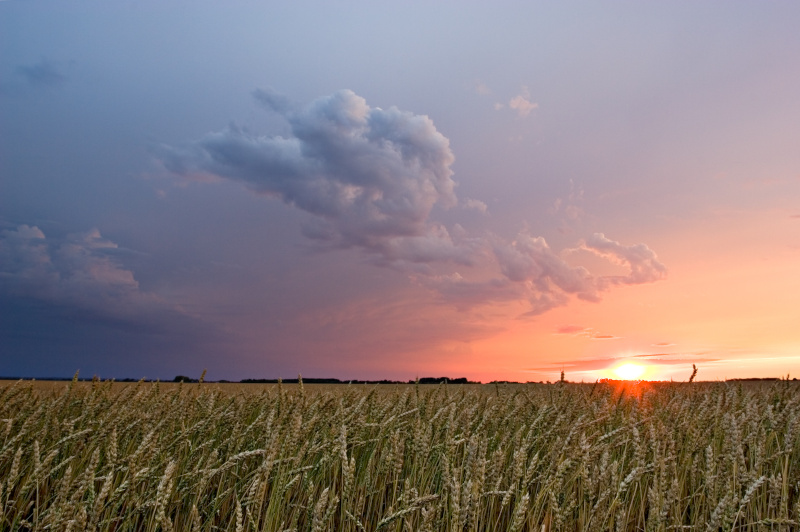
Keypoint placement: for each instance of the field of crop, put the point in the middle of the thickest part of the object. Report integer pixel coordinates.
(147, 456)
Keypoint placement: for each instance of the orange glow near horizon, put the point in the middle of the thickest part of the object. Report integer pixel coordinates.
(629, 371)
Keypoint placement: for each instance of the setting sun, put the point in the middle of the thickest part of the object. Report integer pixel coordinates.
(629, 371)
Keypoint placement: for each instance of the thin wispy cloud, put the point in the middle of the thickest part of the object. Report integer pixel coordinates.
(481, 88)
(570, 329)
(600, 363)
(586, 332)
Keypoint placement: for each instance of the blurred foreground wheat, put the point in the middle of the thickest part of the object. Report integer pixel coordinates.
(400, 458)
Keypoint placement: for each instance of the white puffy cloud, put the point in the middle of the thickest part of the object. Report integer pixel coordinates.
(369, 175)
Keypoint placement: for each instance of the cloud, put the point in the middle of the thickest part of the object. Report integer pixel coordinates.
(465, 294)
(476, 205)
(532, 271)
(68, 303)
(370, 179)
(45, 73)
(436, 246)
(642, 261)
(531, 261)
(481, 88)
(570, 329)
(590, 364)
(530, 258)
(521, 103)
(588, 332)
(370, 176)
(80, 275)
(79, 271)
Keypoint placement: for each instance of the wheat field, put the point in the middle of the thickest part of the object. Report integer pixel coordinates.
(151, 456)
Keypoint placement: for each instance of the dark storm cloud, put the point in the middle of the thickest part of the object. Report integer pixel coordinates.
(72, 296)
(370, 176)
(79, 271)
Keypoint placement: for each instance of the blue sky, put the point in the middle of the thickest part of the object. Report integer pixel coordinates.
(388, 190)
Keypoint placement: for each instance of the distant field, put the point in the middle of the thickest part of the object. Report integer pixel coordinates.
(148, 456)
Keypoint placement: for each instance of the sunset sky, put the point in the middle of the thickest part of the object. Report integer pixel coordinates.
(399, 189)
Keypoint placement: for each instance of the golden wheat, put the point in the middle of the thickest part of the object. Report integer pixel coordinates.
(156, 456)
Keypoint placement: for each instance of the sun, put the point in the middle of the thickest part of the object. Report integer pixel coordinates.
(629, 371)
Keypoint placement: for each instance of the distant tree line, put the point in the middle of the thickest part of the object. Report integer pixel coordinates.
(312, 380)
(422, 380)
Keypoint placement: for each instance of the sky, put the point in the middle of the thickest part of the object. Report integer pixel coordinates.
(388, 190)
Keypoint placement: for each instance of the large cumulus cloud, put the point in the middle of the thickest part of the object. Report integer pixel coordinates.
(371, 178)
(369, 175)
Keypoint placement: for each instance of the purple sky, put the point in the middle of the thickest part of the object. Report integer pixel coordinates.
(363, 190)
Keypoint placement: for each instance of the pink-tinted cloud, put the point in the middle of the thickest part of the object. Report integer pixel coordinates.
(481, 88)
(476, 205)
(588, 332)
(642, 261)
(522, 104)
(570, 329)
(531, 271)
